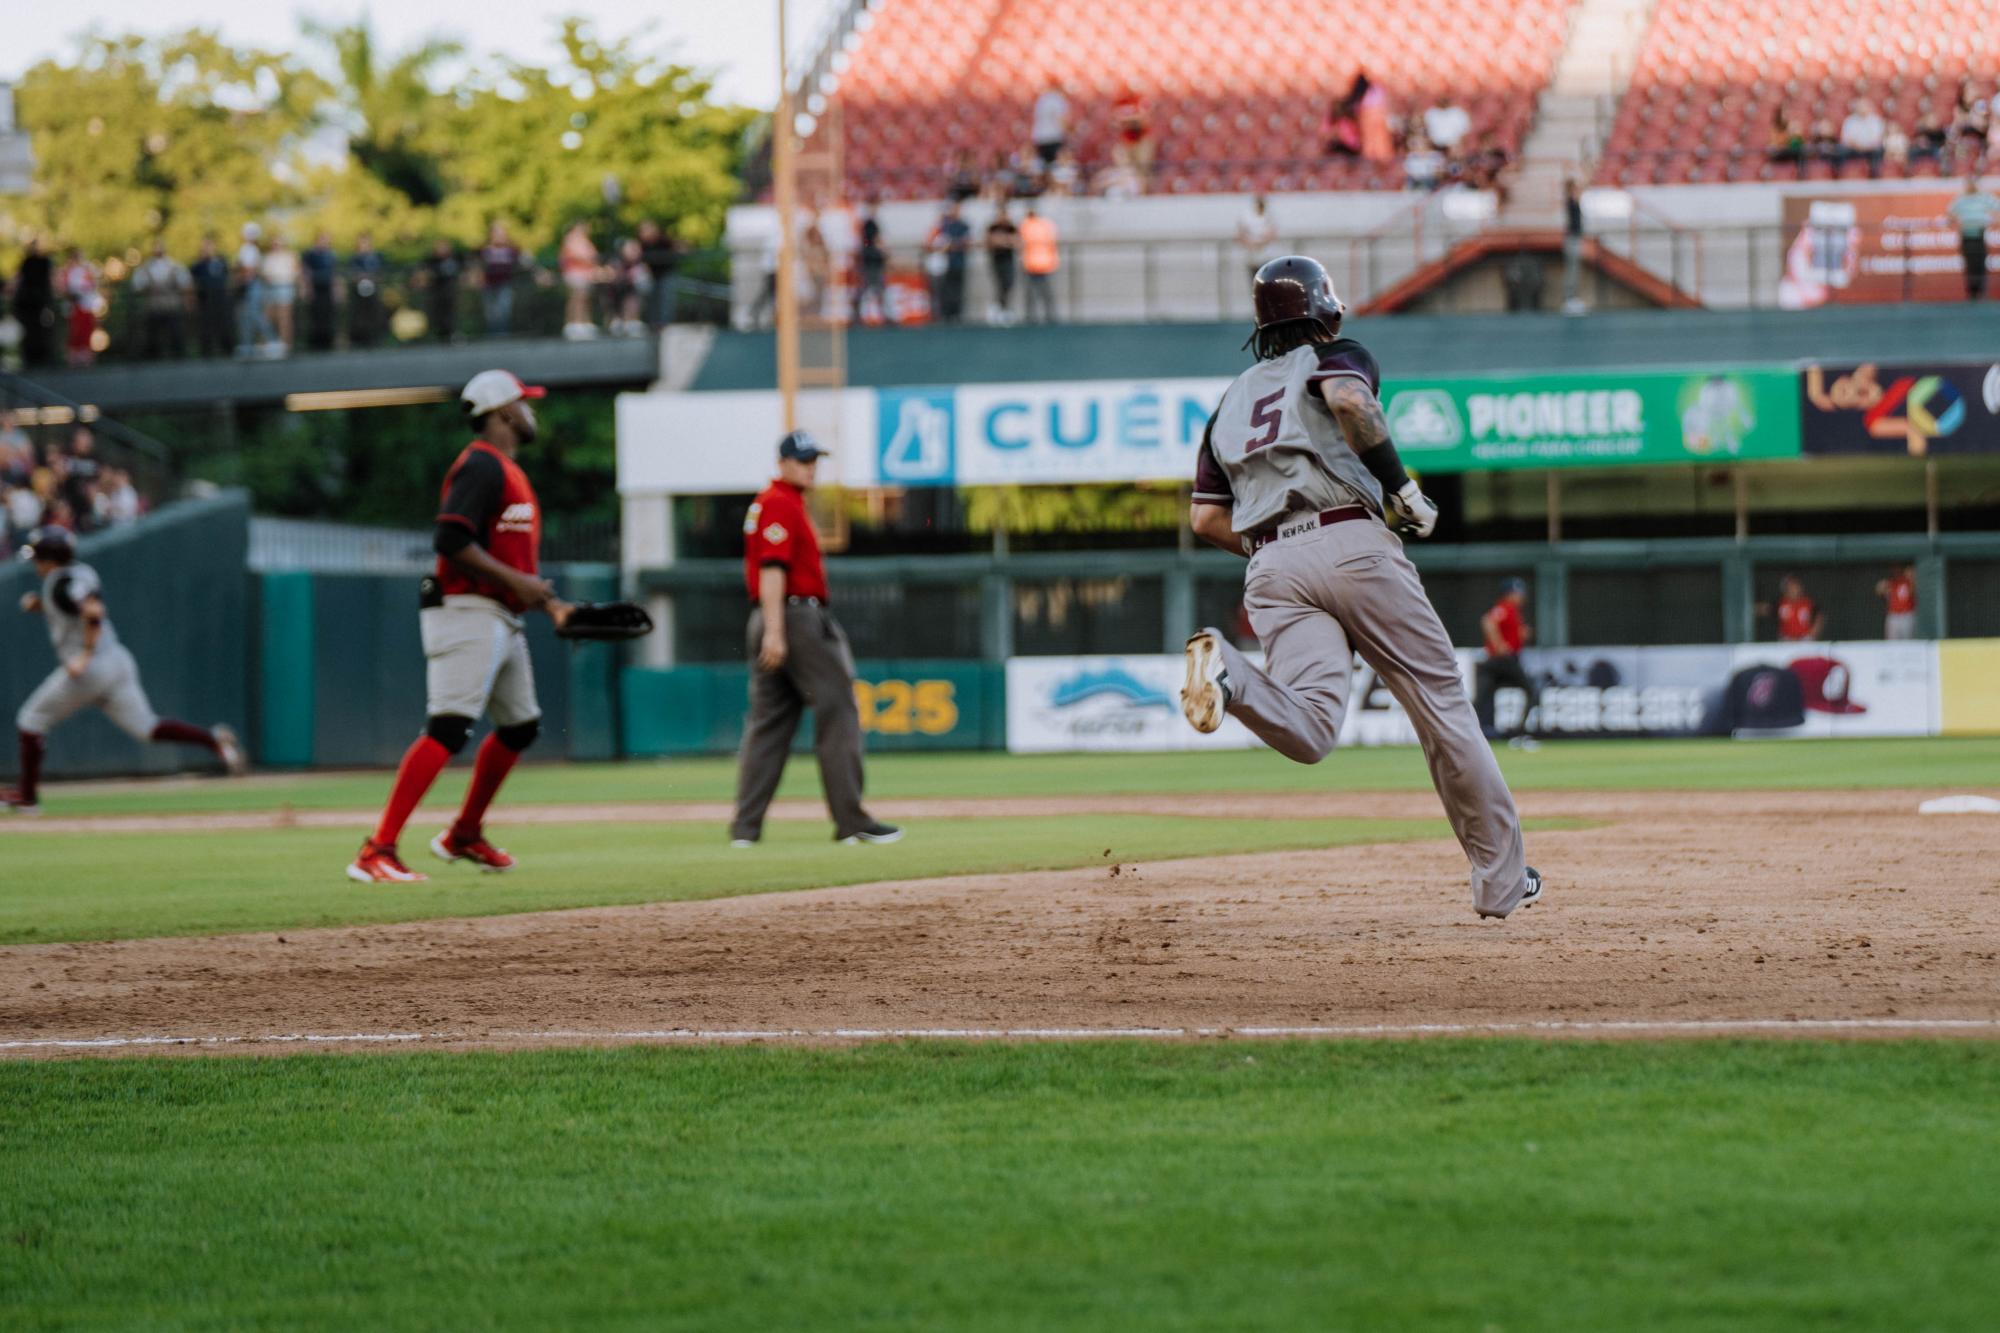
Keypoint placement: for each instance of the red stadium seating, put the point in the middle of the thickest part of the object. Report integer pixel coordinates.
(1235, 89)
(1712, 72)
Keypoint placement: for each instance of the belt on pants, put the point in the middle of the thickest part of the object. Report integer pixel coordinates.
(1293, 525)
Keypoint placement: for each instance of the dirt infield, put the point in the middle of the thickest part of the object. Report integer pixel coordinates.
(1750, 911)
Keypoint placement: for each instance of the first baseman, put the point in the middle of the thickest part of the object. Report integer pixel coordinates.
(489, 536)
(1297, 472)
(93, 670)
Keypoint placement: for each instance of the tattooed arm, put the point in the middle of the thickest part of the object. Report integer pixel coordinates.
(1366, 431)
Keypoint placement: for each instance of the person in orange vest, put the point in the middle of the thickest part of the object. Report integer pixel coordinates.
(1040, 258)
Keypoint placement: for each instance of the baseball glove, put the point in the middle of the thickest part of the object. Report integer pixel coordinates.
(606, 621)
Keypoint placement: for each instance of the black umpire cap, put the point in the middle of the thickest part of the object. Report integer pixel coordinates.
(801, 445)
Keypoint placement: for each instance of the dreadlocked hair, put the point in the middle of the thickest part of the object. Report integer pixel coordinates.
(1275, 340)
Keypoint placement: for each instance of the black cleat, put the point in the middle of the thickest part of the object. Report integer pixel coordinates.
(876, 832)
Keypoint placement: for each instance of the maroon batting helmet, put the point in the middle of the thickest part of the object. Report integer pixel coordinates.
(1295, 288)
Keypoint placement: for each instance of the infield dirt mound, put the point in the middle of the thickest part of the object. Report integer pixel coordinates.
(1753, 906)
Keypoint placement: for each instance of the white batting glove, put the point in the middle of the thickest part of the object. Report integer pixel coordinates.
(1411, 510)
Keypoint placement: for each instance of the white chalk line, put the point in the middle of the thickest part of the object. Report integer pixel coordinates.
(706, 1036)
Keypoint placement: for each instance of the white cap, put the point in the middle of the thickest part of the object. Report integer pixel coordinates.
(491, 390)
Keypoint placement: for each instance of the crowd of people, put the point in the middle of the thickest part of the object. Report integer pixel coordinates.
(265, 299)
(61, 481)
(1437, 145)
(1956, 144)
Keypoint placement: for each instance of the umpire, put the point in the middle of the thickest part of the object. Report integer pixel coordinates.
(799, 659)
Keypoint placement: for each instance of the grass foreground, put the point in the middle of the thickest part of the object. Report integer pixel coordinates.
(154, 884)
(1442, 1184)
(1684, 765)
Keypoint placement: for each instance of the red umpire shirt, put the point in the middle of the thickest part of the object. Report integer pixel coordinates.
(776, 531)
(487, 492)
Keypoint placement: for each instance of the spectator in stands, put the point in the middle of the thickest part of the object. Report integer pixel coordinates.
(1823, 143)
(1257, 235)
(1049, 126)
(1974, 212)
(1572, 247)
(1928, 141)
(576, 258)
(1423, 165)
(949, 242)
(1971, 120)
(1371, 113)
(364, 293)
(322, 272)
(209, 275)
(1506, 634)
(23, 512)
(962, 181)
(253, 328)
(1003, 241)
(117, 499)
(78, 283)
(874, 267)
(631, 287)
(998, 184)
(1861, 136)
(499, 262)
(1340, 131)
(1446, 126)
(663, 258)
(34, 305)
(161, 287)
(1896, 150)
(1788, 141)
(1135, 145)
(1899, 601)
(815, 265)
(1799, 619)
(17, 451)
(1067, 177)
(281, 292)
(1480, 167)
(1041, 257)
(443, 270)
(82, 472)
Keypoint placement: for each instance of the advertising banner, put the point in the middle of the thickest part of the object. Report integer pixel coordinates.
(1743, 690)
(1846, 249)
(1969, 687)
(1915, 410)
(1593, 419)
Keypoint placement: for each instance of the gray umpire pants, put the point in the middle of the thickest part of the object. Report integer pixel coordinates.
(818, 673)
(1317, 599)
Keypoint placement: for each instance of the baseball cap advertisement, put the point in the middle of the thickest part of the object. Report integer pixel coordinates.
(1917, 411)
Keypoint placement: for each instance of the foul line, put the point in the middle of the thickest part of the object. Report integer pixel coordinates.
(701, 1036)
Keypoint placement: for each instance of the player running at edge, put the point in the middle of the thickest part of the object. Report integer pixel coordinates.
(489, 535)
(93, 670)
(1297, 473)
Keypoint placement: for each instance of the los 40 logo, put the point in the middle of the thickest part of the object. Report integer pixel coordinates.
(904, 707)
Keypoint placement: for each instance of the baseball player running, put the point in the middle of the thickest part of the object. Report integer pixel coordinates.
(93, 670)
(1297, 472)
(488, 542)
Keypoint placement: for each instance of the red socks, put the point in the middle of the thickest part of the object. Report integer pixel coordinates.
(422, 763)
(180, 733)
(32, 749)
(494, 763)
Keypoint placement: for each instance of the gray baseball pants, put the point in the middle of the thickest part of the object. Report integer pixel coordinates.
(1318, 598)
(818, 673)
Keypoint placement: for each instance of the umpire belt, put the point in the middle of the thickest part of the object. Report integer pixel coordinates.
(1293, 525)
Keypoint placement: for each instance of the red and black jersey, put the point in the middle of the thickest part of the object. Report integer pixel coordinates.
(777, 531)
(487, 495)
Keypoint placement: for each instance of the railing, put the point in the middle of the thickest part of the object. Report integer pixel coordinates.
(323, 547)
(397, 304)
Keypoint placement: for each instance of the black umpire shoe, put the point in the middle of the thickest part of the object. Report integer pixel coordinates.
(877, 832)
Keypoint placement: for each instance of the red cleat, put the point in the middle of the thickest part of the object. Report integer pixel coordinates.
(448, 846)
(380, 865)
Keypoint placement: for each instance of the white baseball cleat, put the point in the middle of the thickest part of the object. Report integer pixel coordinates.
(233, 757)
(742, 844)
(1205, 693)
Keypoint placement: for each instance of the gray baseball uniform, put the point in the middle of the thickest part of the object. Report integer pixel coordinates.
(1329, 580)
(111, 682)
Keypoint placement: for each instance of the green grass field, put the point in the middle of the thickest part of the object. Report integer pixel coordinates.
(1559, 766)
(1454, 1185)
(194, 883)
